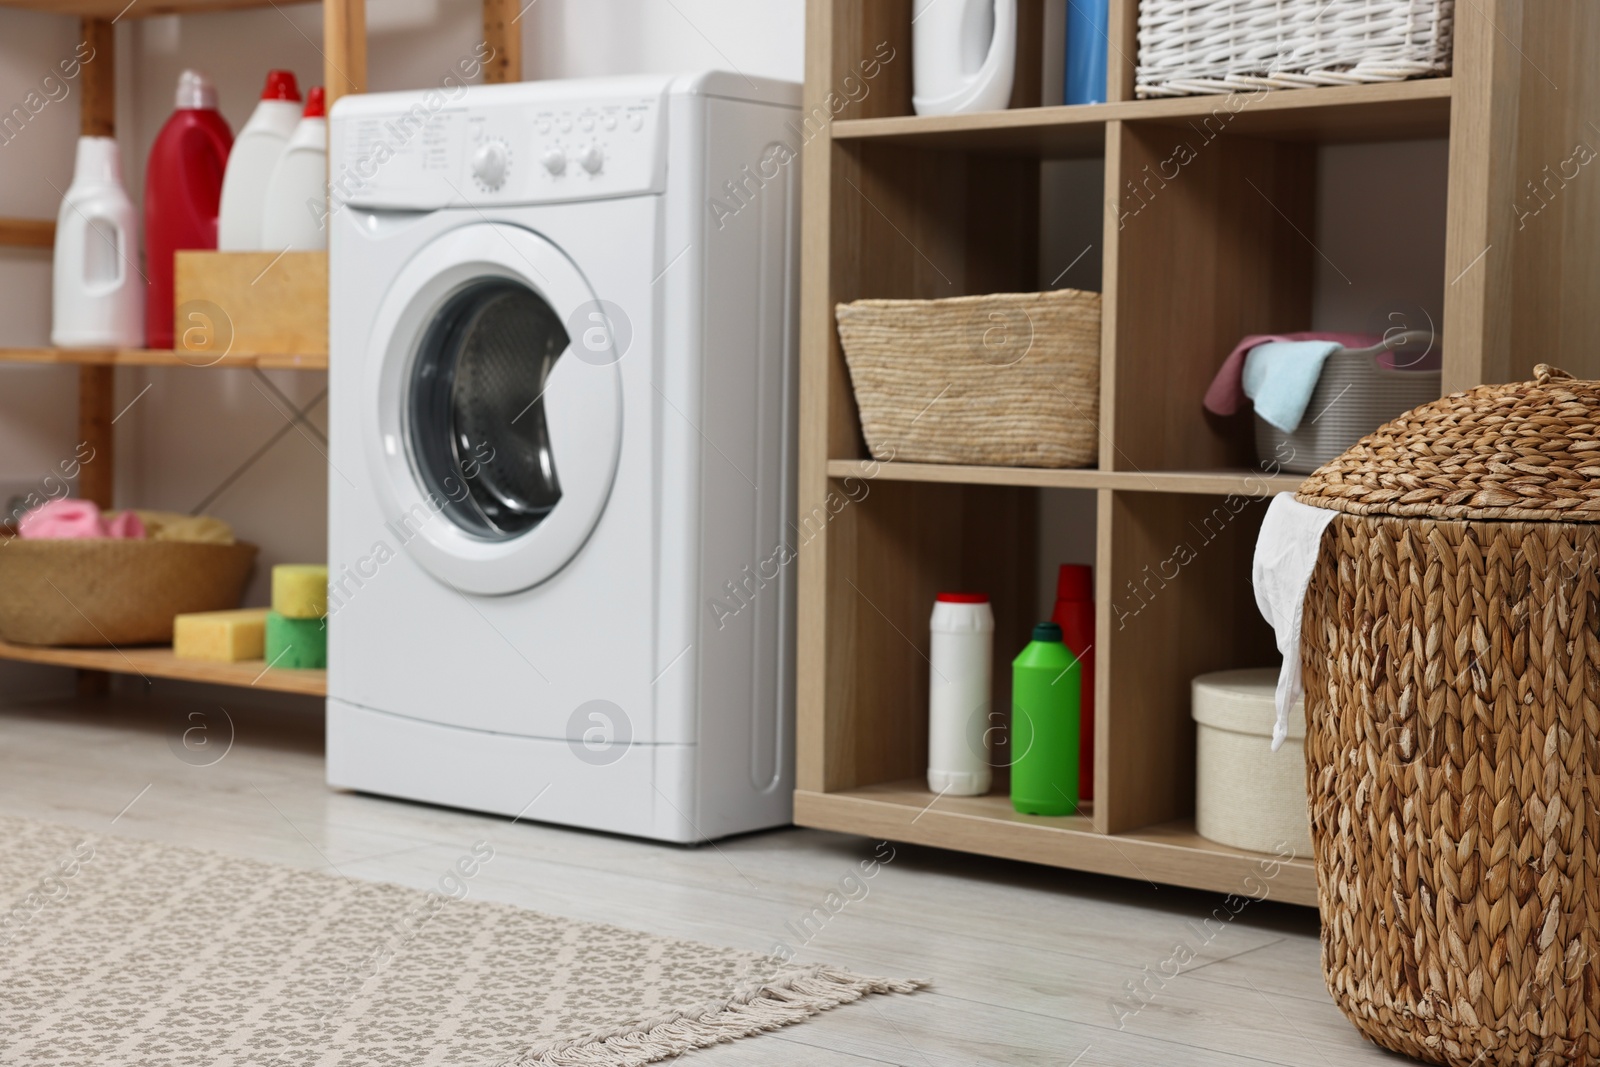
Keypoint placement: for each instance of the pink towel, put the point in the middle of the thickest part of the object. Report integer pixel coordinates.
(69, 518)
(1226, 394)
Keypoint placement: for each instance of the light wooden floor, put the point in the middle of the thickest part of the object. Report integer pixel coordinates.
(1027, 964)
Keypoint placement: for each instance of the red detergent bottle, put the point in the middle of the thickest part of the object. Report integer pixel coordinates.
(1074, 613)
(182, 190)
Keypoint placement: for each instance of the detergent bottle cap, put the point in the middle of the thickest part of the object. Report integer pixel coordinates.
(195, 92)
(281, 86)
(1047, 631)
(316, 107)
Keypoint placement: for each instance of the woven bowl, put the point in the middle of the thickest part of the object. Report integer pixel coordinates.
(98, 592)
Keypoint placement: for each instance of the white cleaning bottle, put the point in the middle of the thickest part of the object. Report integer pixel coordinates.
(255, 153)
(960, 676)
(98, 298)
(294, 214)
(963, 55)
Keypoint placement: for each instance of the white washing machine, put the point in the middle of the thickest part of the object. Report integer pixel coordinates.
(562, 395)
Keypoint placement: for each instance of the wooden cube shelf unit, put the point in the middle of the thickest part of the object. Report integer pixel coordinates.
(898, 205)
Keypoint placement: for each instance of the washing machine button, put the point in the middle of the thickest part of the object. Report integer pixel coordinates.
(554, 160)
(489, 164)
(592, 159)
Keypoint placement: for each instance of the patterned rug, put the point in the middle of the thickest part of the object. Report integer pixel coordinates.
(115, 951)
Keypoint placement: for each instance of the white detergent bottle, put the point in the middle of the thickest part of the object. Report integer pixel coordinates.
(255, 153)
(98, 298)
(294, 216)
(963, 55)
(960, 675)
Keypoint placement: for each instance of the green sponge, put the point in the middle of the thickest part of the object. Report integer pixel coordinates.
(296, 643)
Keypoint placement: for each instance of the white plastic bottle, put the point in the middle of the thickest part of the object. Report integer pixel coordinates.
(299, 182)
(255, 153)
(963, 55)
(98, 297)
(961, 668)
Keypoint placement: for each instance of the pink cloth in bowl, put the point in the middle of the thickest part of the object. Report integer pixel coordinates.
(68, 518)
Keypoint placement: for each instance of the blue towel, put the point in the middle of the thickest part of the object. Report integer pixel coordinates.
(1279, 377)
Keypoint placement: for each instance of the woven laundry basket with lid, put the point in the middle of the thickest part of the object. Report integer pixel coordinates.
(1451, 650)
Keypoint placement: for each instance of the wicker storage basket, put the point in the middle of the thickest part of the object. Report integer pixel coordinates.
(1009, 379)
(1451, 651)
(99, 592)
(1223, 46)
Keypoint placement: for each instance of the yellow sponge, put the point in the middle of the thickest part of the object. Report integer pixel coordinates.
(223, 636)
(300, 590)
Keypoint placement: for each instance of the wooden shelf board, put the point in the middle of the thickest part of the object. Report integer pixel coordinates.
(1171, 853)
(161, 663)
(138, 9)
(1219, 482)
(27, 233)
(161, 357)
(1387, 111)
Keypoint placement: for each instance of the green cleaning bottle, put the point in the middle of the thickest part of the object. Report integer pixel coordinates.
(1046, 684)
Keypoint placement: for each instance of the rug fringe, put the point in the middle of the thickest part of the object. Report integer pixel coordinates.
(769, 1008)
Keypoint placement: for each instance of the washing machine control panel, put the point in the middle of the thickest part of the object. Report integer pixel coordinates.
(574, 151)
(502, 153)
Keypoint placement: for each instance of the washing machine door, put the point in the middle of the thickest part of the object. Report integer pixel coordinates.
(492, 440)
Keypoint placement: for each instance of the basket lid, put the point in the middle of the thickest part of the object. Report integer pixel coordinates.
(1528, 451)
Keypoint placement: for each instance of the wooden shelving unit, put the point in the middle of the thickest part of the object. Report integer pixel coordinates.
(898, 205)
(344, 50)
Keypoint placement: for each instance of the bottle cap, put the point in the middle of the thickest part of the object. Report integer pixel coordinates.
(195, 92)
(963, 598)
(281, 86)
(1047, 631)
(315, 108)
(1075, 581)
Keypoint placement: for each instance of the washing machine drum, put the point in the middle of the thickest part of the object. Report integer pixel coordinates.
(494, 443)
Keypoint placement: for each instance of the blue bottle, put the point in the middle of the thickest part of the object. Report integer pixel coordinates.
(1087, 30)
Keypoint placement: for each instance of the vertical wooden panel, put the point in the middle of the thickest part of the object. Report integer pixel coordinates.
(1483, 109)
(1522, 247)
(97, 117)
(502, 31)
(817, 369)
(96, 395)
(97, 385)
(1122, 51)
(344, 44)
(97, 109)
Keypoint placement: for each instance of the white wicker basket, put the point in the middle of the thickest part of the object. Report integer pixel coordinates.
(1225, 46)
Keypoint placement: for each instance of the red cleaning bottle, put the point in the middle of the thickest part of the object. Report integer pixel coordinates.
(1074, 613)
(182, 190)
